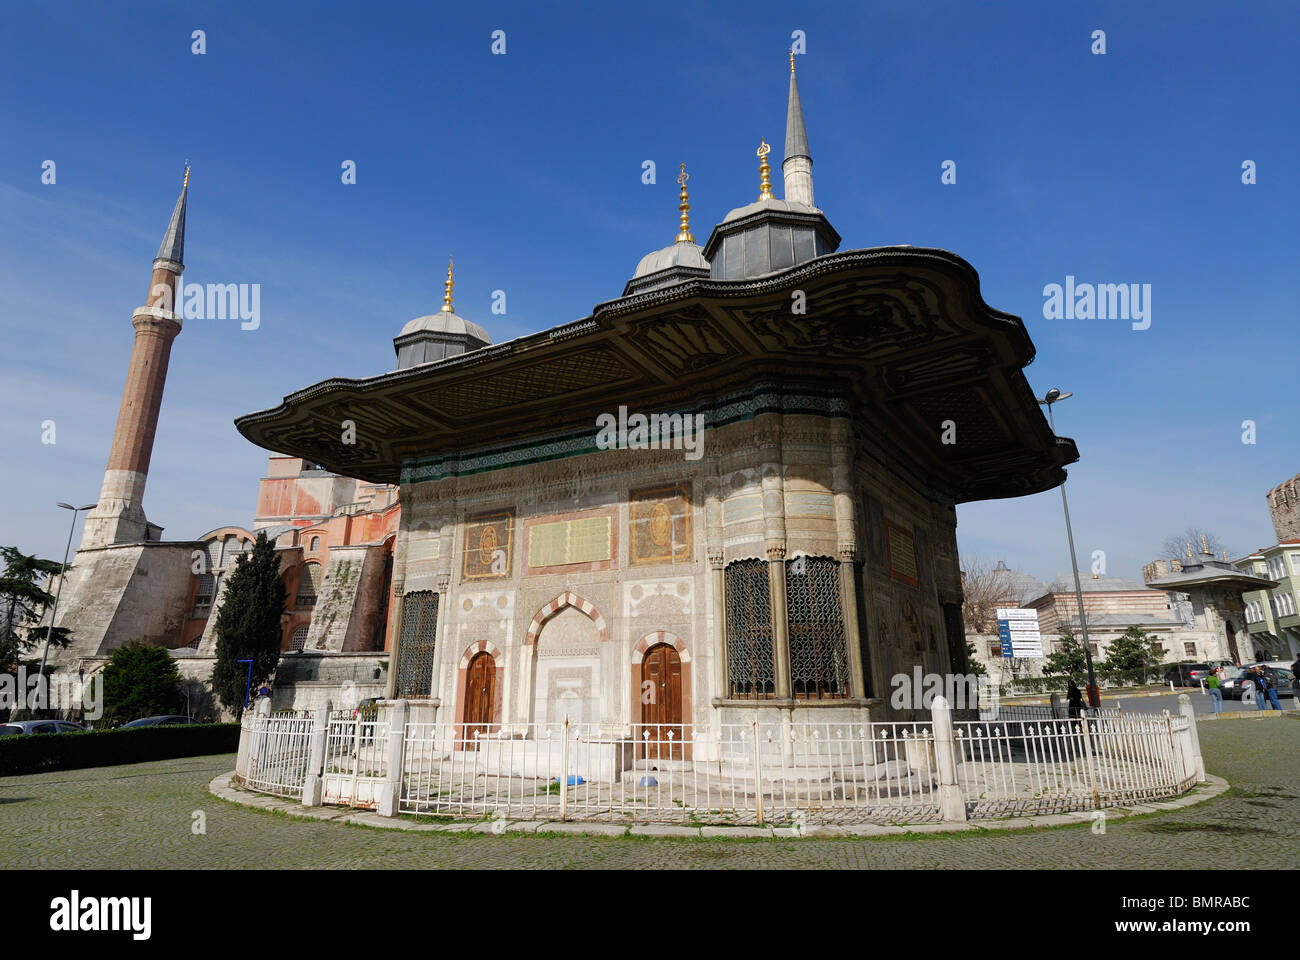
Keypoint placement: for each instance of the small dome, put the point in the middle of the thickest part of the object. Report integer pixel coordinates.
(789, 206)
(436, 337)
(448, 323)
(683, 254)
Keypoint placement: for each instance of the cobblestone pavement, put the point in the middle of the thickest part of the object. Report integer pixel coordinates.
(140, 816)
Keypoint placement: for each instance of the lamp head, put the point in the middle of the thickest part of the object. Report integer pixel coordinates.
(1053, 395)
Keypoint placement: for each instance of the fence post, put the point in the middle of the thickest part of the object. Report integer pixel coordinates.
(758, 775)
(1089, 763)
(952, 805)
(1193, 735)
(312, 784)
(390, 791)
(245, 748)
(564, 769)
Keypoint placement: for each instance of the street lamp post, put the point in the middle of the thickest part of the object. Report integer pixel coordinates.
(63, 575)
(1094, 696)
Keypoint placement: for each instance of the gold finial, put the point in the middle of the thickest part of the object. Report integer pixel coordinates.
(764, 172)
(684, 235)
(446, 297)
(186, 184)
(792, 61)
(1189, 549)
(1205, 547)
(1225, 556)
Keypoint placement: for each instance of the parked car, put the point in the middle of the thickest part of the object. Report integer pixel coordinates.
(1188, 674)
(164, 720)
(1231, 683)
(42, 726)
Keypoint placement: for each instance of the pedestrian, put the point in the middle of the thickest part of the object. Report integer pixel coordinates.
(1269, 690)
(1075, 698)
(1216, 694)
(1248, 687)
(1257, 686)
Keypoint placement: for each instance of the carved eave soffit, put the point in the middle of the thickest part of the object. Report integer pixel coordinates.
(904, 330)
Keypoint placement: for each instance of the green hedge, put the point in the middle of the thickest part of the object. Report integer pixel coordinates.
(35, 752)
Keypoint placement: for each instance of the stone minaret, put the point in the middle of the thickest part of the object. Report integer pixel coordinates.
(119, 515)
(797, 166)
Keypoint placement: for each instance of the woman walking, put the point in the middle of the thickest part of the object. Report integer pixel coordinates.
(1216, 694)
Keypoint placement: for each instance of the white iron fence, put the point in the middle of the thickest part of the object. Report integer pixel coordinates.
(730, 773)
(355, 761)
(273, 753)
(1057, 765)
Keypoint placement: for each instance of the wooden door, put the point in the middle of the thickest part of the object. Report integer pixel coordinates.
(661, 703)
(480, 691)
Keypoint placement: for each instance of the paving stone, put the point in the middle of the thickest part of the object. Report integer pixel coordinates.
(663, 830)
(591, 829)
(524, 826)
(736, 832)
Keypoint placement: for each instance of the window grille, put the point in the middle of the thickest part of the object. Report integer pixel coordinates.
(750, 668)
(204, 592)
(416, 645)
(819, 667)
(299, 638)
(308, 585)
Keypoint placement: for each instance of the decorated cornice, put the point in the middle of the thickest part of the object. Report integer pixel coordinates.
(902, 332)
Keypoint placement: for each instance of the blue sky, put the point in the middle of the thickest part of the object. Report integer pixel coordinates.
(1122, 168)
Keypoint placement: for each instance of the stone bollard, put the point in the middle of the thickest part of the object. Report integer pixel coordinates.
(313, 784)
(952, 804)
(1194, 740)
(390, 791)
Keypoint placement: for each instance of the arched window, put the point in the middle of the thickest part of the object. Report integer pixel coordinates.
(819, 667)
(203, 594)
(308, 585)
(299, 638)
(416, 644)
(750, 669)
(315, 544)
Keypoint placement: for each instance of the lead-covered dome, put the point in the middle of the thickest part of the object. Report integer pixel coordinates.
(438, 335)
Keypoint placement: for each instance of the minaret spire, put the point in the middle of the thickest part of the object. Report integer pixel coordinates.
(119, 517)
(447, 287)
(684, 234)
(797, 166)
(172, 248)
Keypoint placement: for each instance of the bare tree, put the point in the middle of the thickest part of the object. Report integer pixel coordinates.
(1175, 545)
(985, 587)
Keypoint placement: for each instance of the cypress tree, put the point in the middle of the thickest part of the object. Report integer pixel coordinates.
(248, 625)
